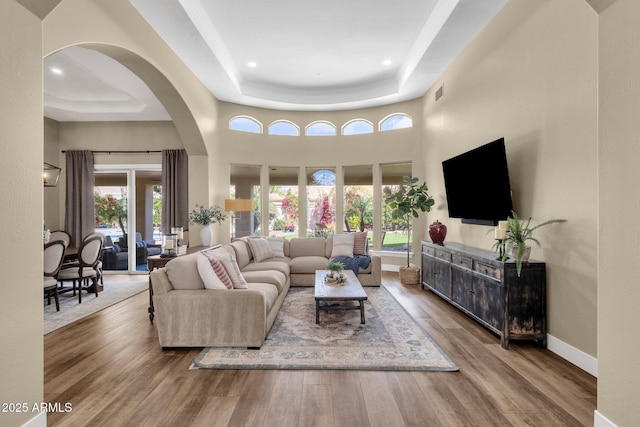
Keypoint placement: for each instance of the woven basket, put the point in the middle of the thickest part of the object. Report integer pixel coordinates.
(410, 275)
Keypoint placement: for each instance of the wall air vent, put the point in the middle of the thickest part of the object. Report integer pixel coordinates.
(440, 92)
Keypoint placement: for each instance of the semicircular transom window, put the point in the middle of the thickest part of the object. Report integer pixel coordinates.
(357, 127)
(320, 128)
(245, 124)
(396, 121)
(284, 127)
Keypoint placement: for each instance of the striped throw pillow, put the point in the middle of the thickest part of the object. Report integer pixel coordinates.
(212, 273)
(360, 243)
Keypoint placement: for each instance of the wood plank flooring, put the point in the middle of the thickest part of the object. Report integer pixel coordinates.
(111, 369)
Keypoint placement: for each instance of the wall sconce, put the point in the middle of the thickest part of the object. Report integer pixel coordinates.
(50, 175)
(237, 205)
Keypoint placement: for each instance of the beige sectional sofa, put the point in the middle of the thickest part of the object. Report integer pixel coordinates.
(189, 315)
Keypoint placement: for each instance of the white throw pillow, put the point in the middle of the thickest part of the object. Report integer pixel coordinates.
(260, 248)
(228, 260)
(208, 274)
(277, 244)
(342, 245)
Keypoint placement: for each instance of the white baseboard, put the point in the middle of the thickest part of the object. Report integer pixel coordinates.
(600, 420)
(390, 267)
(582, 360)
(39, 420)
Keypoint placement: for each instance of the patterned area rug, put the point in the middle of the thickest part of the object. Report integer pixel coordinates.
(390, 340)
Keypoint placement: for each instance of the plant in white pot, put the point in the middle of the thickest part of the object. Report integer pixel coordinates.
(206, 217)
(518, 234)
(407, 201)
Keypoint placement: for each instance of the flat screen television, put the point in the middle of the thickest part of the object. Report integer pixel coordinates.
(477, 185)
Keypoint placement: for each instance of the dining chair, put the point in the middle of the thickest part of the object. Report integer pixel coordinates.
(53, 256)
(98, 267)
(60, 235)
(88, 257)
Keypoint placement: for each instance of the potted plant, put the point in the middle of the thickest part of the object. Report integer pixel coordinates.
(408, 201)
(335, 272)
(206, 216)
(518, 234)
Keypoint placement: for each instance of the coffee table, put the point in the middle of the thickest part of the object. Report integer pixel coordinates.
(350, 290)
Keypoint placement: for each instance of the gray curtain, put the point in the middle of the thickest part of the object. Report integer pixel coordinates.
(175, 203)
(79, 217)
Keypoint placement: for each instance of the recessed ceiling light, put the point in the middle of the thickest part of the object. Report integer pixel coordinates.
(56, 70)
(252, 64)
(386, 62)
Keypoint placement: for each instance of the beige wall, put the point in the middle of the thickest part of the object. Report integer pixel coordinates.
(531, 78)
(53, 209)
(619, 208)
(21, 192)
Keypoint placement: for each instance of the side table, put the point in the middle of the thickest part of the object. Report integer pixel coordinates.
(157, 261)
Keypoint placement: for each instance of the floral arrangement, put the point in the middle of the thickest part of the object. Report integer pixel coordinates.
(204, 216)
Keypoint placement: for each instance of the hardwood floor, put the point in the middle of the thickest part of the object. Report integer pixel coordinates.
(111, 369)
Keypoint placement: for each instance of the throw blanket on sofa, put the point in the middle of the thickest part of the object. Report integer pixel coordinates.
(354, 263)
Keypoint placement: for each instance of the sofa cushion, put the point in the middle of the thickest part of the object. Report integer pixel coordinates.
(278, 264)
(261, 248)
(270, 292)
(212, 272)
(266, 276)
(277, 245)
(242, 252)
(227, 257)
(183, 272)
(307, 246)
(342, 245)
(308, 264)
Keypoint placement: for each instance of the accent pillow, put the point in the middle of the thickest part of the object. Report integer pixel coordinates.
(360, 243)
(260, 248)
(212, 273)
(342, 245)
(277, 244)
(228, 260)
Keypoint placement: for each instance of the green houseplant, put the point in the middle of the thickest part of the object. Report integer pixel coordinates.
(204, 216)
(335, 272)
(518, 234)
(407, 201)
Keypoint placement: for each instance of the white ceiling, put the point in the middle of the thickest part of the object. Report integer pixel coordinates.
(311, 56)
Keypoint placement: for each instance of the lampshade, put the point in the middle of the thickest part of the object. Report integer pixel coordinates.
(238, 205)
(50, 175)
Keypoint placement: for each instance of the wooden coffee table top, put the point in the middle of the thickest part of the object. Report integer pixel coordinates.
(350, 290)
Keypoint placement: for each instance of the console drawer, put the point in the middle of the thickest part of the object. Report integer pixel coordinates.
(488, 270)
(462, 261)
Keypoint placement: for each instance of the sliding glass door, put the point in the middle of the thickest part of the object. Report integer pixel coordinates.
(127, 211)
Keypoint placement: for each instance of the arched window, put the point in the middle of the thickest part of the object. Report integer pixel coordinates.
(245, 124)
(396, 121)
(357, 127)
(320, 128)
(284, 127)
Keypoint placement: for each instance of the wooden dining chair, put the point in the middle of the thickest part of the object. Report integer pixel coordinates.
(60, 235)
(53, 256)
(88, 257)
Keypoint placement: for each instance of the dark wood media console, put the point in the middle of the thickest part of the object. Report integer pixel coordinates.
(489, 290)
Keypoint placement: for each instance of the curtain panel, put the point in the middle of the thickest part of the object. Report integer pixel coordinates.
(175, 203)
(79, 219)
